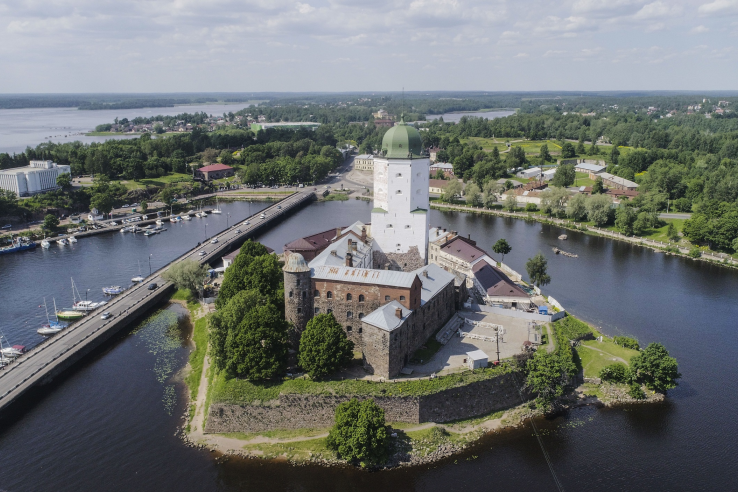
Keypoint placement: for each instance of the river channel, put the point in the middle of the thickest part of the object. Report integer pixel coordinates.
(110, 423)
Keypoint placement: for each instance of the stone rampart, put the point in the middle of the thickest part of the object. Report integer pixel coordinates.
(296, 411)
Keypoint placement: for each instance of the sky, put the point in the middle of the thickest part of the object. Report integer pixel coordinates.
(366, 45)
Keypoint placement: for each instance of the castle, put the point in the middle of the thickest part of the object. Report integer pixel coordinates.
(375, 278)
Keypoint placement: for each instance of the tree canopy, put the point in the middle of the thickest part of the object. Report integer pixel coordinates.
(502, 247)
(359, 434)
(655, 368)
(324, 348)
(537, 268)
(187, 274)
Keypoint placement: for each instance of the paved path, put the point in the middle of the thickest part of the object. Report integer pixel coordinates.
(50, 358)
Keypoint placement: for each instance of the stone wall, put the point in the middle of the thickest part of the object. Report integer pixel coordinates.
(406, 262)
(317, 411)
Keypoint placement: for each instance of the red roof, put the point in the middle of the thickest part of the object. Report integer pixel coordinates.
(216, 167)
(314, 242)
(463, 249)
(496, 283)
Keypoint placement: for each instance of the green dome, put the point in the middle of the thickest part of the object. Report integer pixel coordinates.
(402, 142)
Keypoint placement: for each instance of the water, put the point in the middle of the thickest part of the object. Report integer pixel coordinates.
(455, 117)
(112, 420)
(20, 128)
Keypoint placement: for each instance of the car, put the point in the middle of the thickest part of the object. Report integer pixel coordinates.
(126, 206)
(238, 231)
(247, 223)
(152, 286)
(113, 223)
(202, 253)
(7, 226)
(134, 205)
(214, 240)
(279, 207)
(106, 315)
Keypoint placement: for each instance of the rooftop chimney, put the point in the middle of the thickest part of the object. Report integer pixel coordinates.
(425, 273)
(398, 313)
(349, 260)
(338, 231)
(363, 234)
(334, 252)
(468, 236)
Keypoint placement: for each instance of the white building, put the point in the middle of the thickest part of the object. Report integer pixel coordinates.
(401, 201)
(533, 172)
(476, 359)
(548, 174)
(364, 162)
(38, 177)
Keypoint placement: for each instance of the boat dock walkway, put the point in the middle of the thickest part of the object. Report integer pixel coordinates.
(51, 358)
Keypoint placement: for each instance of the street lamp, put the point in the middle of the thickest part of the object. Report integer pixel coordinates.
(206, 231)
(150, 264)
(86, 295)
(227, 218)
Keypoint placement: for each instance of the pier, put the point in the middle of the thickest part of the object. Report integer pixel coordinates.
(51, 358)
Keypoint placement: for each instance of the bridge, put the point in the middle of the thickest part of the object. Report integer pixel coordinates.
(51, 358)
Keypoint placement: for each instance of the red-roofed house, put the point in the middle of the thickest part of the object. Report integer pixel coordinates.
(311, 246)
(214, 171)
(497, 287)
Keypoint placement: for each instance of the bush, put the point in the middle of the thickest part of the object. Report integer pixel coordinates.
(531, 207)
(695, 252)
(573, 329)
(615, 373)
(636, 391)
(360, 434)
(655, 368)
(324, 348)
(627, 342)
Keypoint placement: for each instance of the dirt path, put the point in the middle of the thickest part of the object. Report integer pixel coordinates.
(551, 346)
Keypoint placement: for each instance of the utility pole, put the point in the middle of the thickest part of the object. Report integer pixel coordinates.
(497, 338)
(150, 265)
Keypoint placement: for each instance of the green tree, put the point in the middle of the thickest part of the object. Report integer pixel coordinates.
(554, 200)
(531, 207)
(580, 145)
(64, 181)
(615, 373)
(576, 207)
(166, 196)
(599, 209)
(544, 154)
(625, 217)
(502, 247)
(103, 202)
(564, 176)
(158, 129)
(537, 268)
(257, 347)
(598, 187)
(359, 434)
(614, 154)
(593, 150)
(672, 233)
(735, 244)
(324, 348)
(473, 195)
(451, 191)
(511, 202)
(226, 157)
(238, 276)
(144, 206)
(186, 274)
(440, 174)
(548, 375)
(655, 368)
(491, 190)
(51, 222)
(226, 319)
(568, 151)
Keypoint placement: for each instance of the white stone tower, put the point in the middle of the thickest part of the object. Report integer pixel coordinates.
(401, 203)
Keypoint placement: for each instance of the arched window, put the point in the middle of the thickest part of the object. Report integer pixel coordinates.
(290, 294)
(298, 281)
(317, 310)
(360, 329)
(361, 315)
(361, 297)
(348, 297)
(349, 314)
(402, 298)
(348, 328)
(316, 293)
(329, 311)
(386, 298)
(329, 295)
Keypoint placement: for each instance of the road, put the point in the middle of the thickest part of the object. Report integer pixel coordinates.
(56, 354)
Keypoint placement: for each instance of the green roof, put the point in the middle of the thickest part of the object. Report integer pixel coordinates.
(379, 210)
(402, 142)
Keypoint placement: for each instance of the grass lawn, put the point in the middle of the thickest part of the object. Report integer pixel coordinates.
(660, 233)
(582, 179)
(243, 391)
(160, 181)
(297, 450)
(278, 434)
(593, 360)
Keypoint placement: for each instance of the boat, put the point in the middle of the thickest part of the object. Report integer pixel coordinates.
(72, 239)
(563, 237)
(18, 244)
(159, 229)
(217, 209)
(159, 222)
(113, 290)
(186, 217)
(9, 352)
(87, 305)
(149, 233)
(45, 244)
(62, 242)
(138, 279)
(52, 327)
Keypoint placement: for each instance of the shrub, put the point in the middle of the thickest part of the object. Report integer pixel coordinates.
(695, 252)
(531, 207)
(324, 348)
(627, 342)
(615, 373)
(360, 434)
(655, 368)
(573, 329)
(636, 391)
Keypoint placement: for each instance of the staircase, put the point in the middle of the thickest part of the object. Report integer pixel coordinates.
(448, 330)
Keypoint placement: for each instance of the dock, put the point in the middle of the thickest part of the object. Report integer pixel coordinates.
(49, 359)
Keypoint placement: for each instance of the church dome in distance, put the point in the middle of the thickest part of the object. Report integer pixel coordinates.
(402, 141)
(296, 263)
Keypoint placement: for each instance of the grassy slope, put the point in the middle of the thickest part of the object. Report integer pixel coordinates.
(242, 391)
(199, 336)
(160, 181)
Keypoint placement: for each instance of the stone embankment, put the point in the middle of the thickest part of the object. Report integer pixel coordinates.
(300, 411)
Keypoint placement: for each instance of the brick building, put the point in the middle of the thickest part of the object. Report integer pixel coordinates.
(214, 171)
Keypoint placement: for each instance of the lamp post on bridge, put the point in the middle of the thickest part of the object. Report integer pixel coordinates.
(150, 264)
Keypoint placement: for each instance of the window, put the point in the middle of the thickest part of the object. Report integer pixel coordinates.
(398, 192)
(348, 297)
(389, 226)
(317, 310)
(398, 175)
(361, 315)
(407, 226)
(418, 175)
(417, 192)
(316, 293)
(361, 297)
(329, 311)
(298, 282)
(349, 314)
(402, 298)
(304, 294)
(290, 294)
(386, 298)
(329, 295)
(348, 328)
(299, 310)
(360, 329)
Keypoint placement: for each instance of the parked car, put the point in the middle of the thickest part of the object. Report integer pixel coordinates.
(152, 286)
(7, 226)
(106, 315)
(113, 223)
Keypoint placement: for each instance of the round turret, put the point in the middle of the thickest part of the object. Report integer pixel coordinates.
(296, 263)
(402, 142)
(298, 294)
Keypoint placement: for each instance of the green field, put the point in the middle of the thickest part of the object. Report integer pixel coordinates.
(160, 182)
(594, 360)
(582, 179)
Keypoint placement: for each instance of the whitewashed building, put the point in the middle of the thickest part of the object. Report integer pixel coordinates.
(401, 201)
(38, 177)
(364, 162)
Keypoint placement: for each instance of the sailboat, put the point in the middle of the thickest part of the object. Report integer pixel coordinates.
(217, 209)
(83, 305)
(53, 327)
(8, 352)
(45, 243)
(138, 279)
(72, 239)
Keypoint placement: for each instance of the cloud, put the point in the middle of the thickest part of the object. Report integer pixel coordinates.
(719, 7)
(657, 10)
(699, 30)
